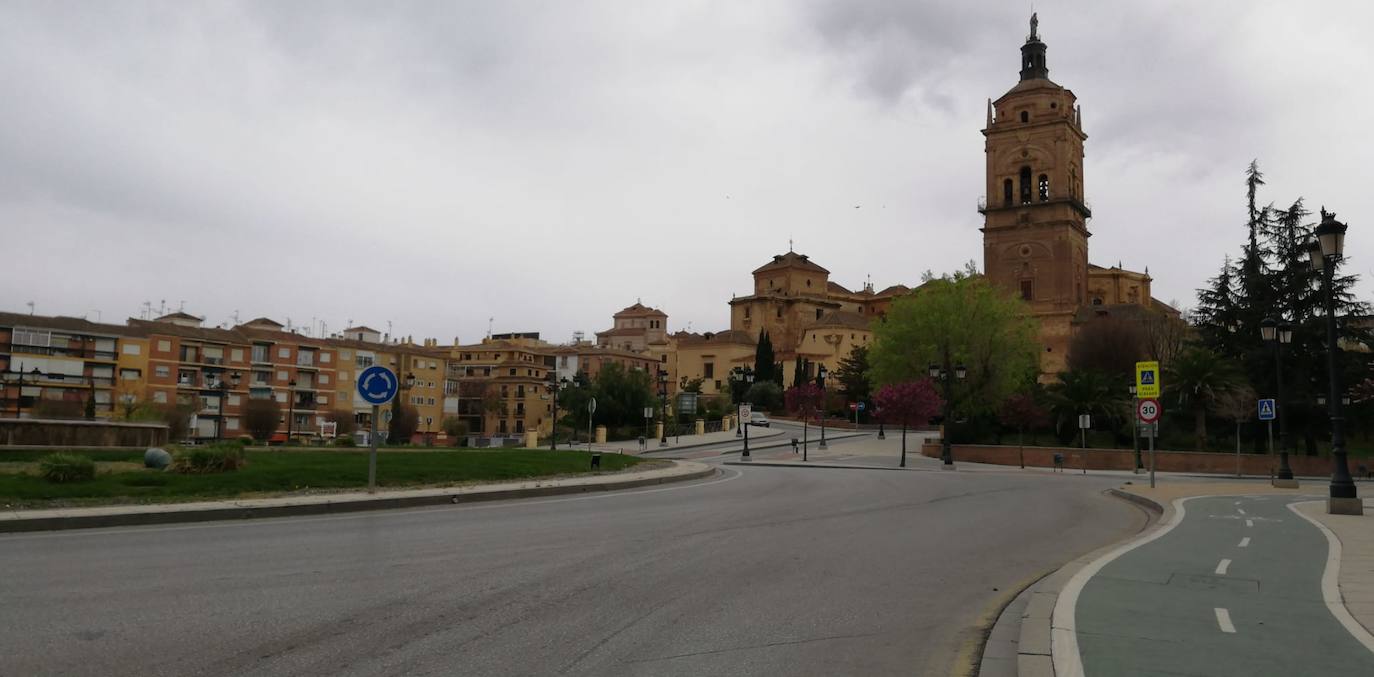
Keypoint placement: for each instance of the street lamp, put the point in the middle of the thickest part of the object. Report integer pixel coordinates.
(1280, 334)
(223, 389)
(1135, 431)
(946, 376)
(820, 381)
(405, 386)
(291, 408)
(1325, 255)
(663, 399)
(556, 388)
(878, 414)
(741, 378)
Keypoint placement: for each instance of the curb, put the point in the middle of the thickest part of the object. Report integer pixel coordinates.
(1034, 654)
(674, 447)
(840, 466)
(453, 497)
(788, 443)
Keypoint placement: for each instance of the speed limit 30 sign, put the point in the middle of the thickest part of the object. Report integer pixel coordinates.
(1147, 410)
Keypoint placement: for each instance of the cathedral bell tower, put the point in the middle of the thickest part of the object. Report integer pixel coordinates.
(1035, 228)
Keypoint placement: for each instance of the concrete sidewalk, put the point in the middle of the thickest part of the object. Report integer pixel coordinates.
(327, 503)
(683, 442)
(1022, 641)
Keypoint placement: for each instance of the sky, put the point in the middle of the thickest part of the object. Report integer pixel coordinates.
(439, 168)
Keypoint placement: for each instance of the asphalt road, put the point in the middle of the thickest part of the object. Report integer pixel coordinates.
(761, 571)
(1233, 590)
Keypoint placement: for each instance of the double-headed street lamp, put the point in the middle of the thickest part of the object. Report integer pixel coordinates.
(291, 408)
(1279, 334)
(820, 382)
(223, 389)
(1325, 254)
(946, 376)
(555, 389)
(740, 380)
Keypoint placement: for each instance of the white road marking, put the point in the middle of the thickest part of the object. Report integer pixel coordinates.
(1331, 592)
(1063, 632)
(1244, 542)
(1240, 510)
(1224, 620)
(1222, 566)
(1249, 523)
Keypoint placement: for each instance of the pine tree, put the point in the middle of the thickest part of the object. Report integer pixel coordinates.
(763, 360)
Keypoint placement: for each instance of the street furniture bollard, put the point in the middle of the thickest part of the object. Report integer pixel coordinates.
(794, 445)
(1059, 462)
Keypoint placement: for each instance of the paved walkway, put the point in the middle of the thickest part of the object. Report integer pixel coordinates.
(1233, 581)
(683, 441)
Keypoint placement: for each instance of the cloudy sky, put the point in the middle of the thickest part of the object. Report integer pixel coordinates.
(547, 163)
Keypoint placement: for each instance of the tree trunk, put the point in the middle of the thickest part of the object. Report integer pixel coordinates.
(1200, 427)
(1021, 439)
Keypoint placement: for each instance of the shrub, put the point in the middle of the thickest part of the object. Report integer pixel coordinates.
(210, 459)
(344, 442)
(260, 416)
(63, 468)
(244, 440)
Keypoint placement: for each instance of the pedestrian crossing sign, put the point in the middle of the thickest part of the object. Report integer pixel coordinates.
(1147, 380)
(1266, 410)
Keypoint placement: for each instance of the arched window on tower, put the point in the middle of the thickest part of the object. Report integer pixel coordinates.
(1025, 116)
(1025, 185)
(1006, 192)
(1044, 187)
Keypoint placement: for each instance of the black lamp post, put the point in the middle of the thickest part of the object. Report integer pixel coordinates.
(556, 388)
(223, 389)
(878, 414)
(1135, 432)
(291, 408)
(1325, 255)
(820, 381)
(1279, 334)
(663, 400)
(741, 378)
(946, 376)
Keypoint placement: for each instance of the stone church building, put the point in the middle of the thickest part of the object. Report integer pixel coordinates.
(1036, 216)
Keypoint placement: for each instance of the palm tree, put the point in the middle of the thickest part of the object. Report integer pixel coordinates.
(1197, 381)
(1084, 391)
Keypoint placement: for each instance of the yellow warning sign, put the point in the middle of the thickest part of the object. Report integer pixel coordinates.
(1146, 379)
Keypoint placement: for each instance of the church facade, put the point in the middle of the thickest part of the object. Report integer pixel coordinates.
(1036, 216)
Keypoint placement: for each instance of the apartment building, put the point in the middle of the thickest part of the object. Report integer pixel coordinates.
(193, 365)
(300, 372)
(501, 386)
(57, 364)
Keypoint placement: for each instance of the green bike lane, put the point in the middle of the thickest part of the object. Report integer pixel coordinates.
(1235, 588)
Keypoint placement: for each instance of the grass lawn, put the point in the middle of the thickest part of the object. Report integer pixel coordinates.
(118, 480)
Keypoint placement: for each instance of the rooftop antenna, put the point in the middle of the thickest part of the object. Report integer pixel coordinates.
(97, 314)
(350, 323)
(162, 307)
(30, 305)
(181, 307)
(236, 317)
(789, 245)
(147, 310)
(489, 321)
(388, 327)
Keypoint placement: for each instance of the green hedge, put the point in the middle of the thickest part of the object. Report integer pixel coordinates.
(210, 459)
(62, 468)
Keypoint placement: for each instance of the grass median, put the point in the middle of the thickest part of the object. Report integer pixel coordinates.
(121, 479)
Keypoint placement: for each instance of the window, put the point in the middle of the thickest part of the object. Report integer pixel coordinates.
(519, 426)
(231, 424)
(1025, 116)
(431, 401)
(717, 385)
(160, 396)
(746, 312)
(236, 354)
(283, 352)
(132, 349)
(162, 371)
(281, 397)
(1025, 185)
(363, 361)
(260, 352)
(233, 400)
(164, 346)
(1006, 192)
(282, 376)
(708, 370)
(325, 358)
(779, 312)
(1097, 301)
(130, 374)
(1027, 290)
(1044, 187)
(345, 355)
(818, 313)
(512, 371)
(808, 282)
(324, 378)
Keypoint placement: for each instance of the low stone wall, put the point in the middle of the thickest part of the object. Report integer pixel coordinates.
(1221, 463)
(80, 433)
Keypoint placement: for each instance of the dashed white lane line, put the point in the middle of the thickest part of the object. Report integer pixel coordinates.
(1249, 523)
(1222, 566)
(1240, 510)
(1224, 620)
(1244, 542)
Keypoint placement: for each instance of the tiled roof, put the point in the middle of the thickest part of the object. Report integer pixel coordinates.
(738, 336)
(72, 324)
(180, 316)
(640, 310)
(199, 333)
(790, 260)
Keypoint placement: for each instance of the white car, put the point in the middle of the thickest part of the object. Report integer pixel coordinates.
(758, 418)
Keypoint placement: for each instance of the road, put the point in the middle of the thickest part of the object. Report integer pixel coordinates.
(1234, 589)
(759, 571)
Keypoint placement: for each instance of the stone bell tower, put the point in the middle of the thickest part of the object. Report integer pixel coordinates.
(1035, 228)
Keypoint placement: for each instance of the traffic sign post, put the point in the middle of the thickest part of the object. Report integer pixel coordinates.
(1085, 421)
(1147, 380)
(1147, 412)
(591, 411)
(377, 385)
